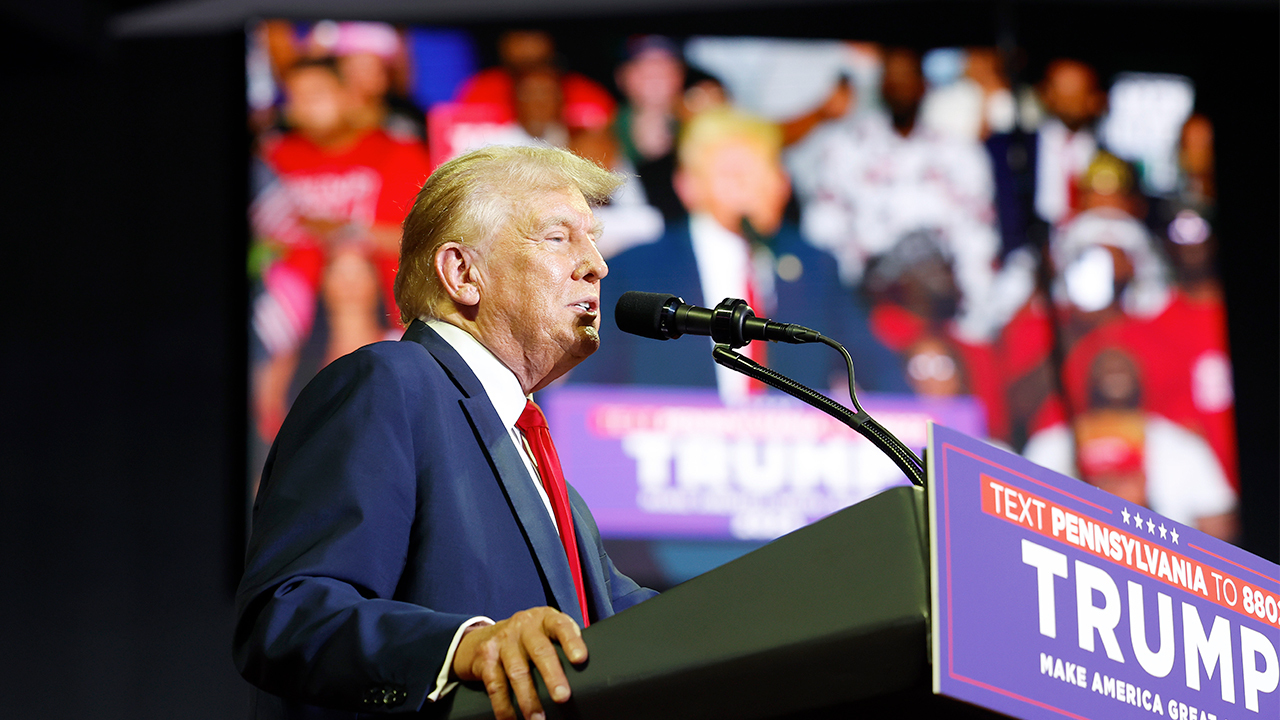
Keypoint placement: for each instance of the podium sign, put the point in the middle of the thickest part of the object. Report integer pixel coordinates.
(1054, 599)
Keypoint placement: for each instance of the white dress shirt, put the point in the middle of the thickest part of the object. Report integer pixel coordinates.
(724, 259)
(1061, 157)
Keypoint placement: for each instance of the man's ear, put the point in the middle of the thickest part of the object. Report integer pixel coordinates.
(456, 268)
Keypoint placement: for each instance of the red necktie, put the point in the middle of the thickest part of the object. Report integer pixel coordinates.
(754, 350)
(534, 425)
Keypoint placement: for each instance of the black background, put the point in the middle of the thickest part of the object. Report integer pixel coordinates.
(124, 298)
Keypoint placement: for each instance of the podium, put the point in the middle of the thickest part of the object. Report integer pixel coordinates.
(831, 620)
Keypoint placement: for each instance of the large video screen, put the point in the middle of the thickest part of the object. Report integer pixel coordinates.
(1030, 261)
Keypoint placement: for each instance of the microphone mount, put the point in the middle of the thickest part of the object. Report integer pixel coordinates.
(732, 322)
(727, 320)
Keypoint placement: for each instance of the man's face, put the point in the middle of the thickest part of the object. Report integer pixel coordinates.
(1070, 93)
(932, 369)
(903, 83)
(350, 281)
(539, 102)
(737, 178)
(539, 309)
(1114, 381)
(523, 50)
(315, 101)
(652, 79)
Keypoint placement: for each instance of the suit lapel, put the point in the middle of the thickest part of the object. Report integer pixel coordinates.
(526, 503)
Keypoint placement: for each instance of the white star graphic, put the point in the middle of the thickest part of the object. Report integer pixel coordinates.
(1137, 519)
(1162, 531)
(1151, 526)
(1175, 535)
(1125, 514)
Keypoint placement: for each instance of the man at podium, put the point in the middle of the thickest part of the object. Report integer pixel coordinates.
(413, 527)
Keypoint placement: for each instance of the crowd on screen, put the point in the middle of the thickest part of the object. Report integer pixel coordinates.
(989, 241)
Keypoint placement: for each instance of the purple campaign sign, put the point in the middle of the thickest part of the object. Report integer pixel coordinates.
(657, 463)
(1054, 599)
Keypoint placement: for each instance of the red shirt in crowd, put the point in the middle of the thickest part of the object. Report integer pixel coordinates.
(371, 182)
(1181, 356)
(899, 329)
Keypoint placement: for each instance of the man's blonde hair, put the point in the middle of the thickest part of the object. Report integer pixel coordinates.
(474, 197)
(712, 127)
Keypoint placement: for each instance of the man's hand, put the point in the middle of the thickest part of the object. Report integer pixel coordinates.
(499, 655)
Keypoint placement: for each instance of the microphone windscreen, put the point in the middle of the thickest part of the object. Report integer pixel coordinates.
(640, 313)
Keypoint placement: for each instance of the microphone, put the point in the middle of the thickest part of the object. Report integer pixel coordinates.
(662, 316)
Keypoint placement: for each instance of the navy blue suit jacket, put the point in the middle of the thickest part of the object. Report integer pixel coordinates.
(393, 508)
(815, 298)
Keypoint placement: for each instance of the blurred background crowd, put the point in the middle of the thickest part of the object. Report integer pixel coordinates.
(127, 297)
(1040, 237)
